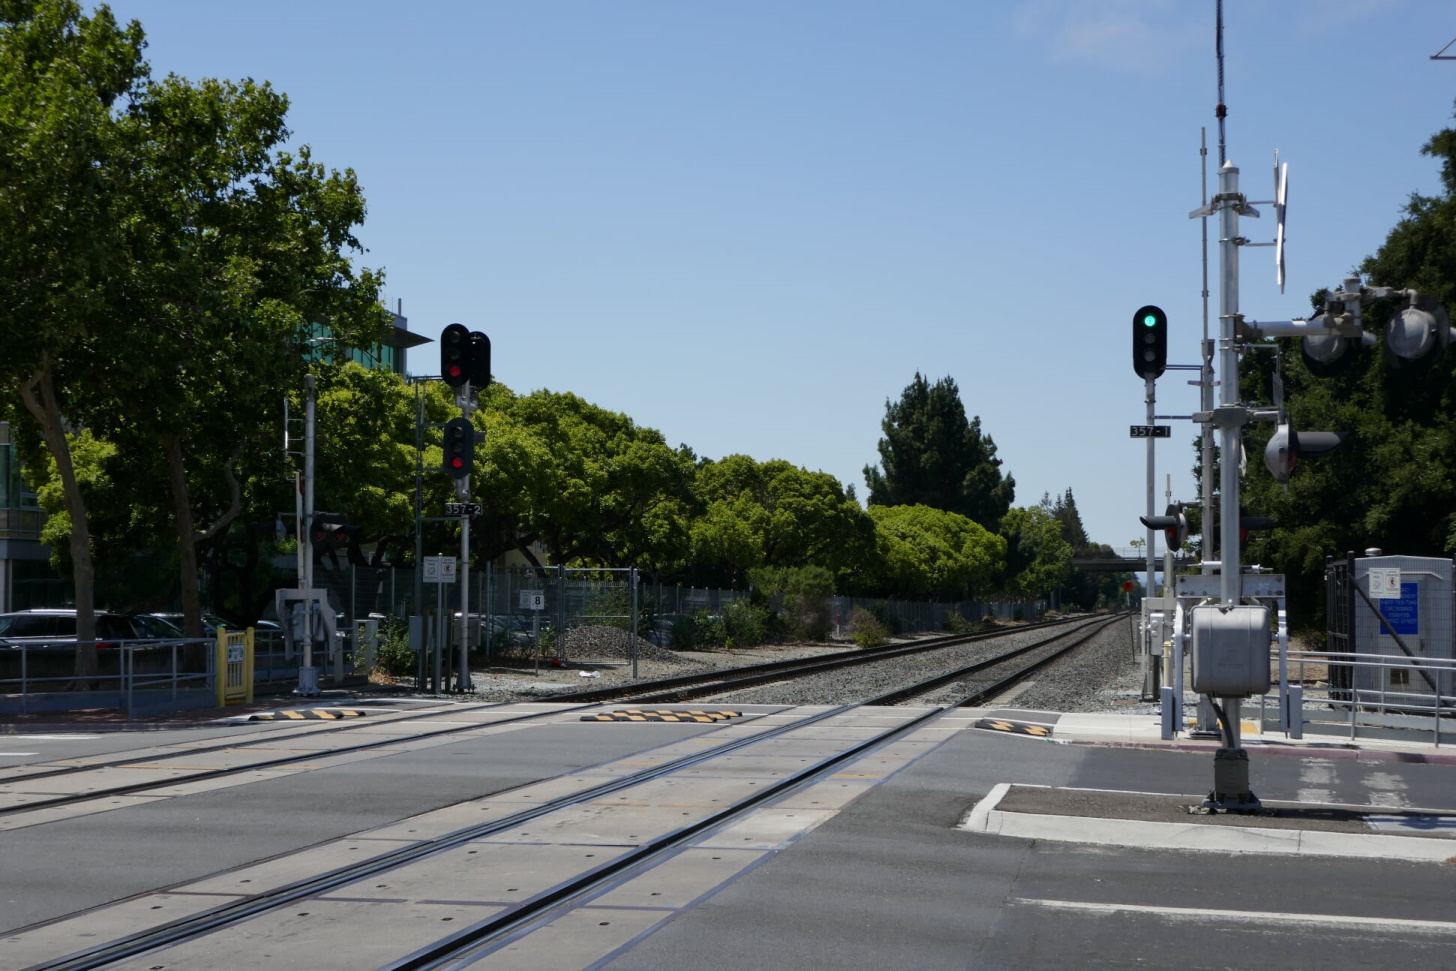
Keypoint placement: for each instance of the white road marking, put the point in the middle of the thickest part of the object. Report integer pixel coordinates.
(16, 755)
(57, 738)
(1252, 917)
(1314, 776)
(1389, 790)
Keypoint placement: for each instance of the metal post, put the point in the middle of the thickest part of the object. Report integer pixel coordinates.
(308, 673)
(462, 680)
(560, 610)
(1230, 432)
(634, 623)
(440, 628)
(419, 577)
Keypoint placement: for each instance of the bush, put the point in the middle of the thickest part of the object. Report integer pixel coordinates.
(866, 628)
(798, 598)
(395, 657)
(741, 624)
(957, 624)
(745, 624)
(698, 631)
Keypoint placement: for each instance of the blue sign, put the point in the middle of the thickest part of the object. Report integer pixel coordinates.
(1404, 614)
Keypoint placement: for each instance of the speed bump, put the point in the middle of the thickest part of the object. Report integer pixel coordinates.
(660, 715)
(307, 714)
(1015, 728)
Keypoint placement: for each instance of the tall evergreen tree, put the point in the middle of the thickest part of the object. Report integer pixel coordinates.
(932, 456)
(1064, 510)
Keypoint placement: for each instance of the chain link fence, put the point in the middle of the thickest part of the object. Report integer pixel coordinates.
(512, 607)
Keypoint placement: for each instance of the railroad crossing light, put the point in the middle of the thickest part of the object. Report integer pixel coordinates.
(454, 355)
(1149, 341)
(1173, 524)
(1326, 354)
(1286, 446)
(1421, 331)
(459, 447)
(478, 361)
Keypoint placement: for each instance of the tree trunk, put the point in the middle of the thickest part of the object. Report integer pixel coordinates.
(186, 537)
(47, 412)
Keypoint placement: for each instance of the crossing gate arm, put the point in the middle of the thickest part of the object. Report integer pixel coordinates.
(234, 667)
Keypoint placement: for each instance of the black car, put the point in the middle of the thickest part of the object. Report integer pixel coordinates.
(57, 627)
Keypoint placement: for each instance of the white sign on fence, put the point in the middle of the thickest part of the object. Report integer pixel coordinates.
(440, 569)
(1384, 583)
(533, 600)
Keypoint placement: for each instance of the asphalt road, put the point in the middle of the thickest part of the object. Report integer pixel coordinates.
(887, 881)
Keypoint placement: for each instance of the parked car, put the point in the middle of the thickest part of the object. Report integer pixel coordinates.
(153, 625)
(46, 627)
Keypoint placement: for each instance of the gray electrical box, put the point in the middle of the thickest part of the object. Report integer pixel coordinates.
(1405, 615)
(1231, 650)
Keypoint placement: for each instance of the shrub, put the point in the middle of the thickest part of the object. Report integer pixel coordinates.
(741, 624)
(745, 624)
(395, 656)
(800, 598)
(866, 628)
(957, 624)
(698, 631)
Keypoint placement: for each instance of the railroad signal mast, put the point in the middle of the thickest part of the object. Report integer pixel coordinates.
(464, 366)
(1223, 617)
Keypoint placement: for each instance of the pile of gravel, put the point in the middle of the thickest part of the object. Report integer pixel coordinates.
(615, 643)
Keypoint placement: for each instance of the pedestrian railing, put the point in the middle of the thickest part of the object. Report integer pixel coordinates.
(134, 677)
(1365, 695)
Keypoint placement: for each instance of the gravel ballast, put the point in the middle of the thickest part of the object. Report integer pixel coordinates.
(1102, 675)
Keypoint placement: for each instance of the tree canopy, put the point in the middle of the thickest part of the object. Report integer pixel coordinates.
(1392, 483)
(931, 455)
(167, 263)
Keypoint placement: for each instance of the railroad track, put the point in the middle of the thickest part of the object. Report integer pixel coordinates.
(255, 755)
(708, 684)
(584, 860)
(433, 862)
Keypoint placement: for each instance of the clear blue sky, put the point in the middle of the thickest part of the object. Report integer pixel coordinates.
(748, 224)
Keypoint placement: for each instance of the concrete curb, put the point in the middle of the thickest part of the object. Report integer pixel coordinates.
(986, 819)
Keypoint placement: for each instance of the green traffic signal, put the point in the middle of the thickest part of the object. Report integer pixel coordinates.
(1149, 341)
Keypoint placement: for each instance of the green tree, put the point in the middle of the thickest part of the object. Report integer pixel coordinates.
(925, 552)
(612, 492)
(235, 249)
(1038, 559)
(774, 514)
(931, 455)
(1392, 483)
(60, 75)
(1064, 510)
(181, 310)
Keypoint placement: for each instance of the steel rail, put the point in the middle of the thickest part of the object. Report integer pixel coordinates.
(649, 692)
(224, 915)
(204, 774)
(688, 687)
(241, 742)
(623, 693)
(940, 680)
(464, 947)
